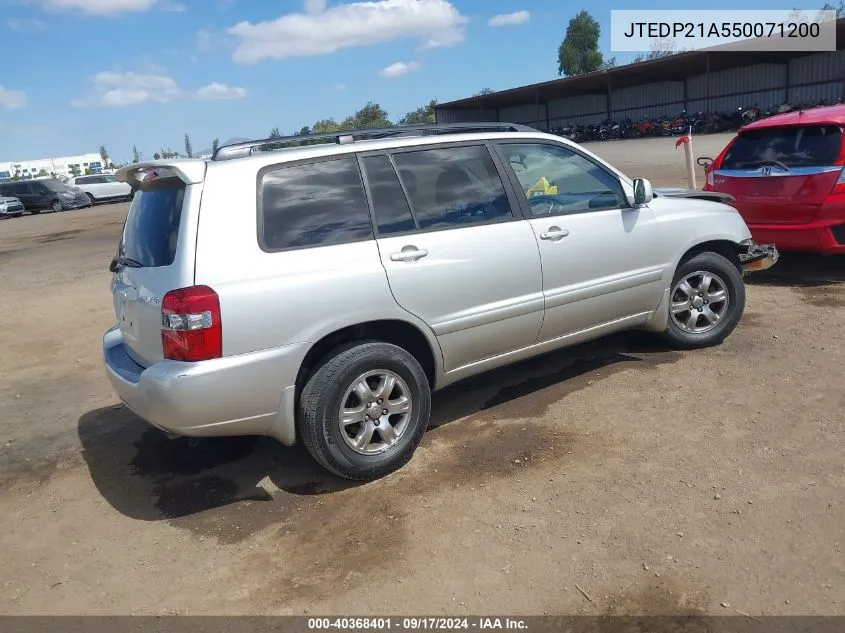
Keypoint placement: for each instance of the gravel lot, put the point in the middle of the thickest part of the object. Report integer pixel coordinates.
(656, 481)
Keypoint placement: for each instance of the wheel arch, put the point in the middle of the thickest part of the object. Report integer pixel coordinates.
(726, 247)
(420, 344)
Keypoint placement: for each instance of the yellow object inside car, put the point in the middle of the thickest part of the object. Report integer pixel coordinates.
(541, 188)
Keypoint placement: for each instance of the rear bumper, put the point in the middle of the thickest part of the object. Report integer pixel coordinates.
(819, 237)
(236, 395)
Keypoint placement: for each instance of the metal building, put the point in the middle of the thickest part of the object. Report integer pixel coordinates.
(696, 81)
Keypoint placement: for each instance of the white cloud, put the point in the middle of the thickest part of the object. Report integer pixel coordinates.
(510, 19)
(25, 24)
(438, 22)
(204, 41)
(315, 6)
(216, 91)
(340, 87)
(399, 68)
(114, 88)
(12, 99)
(112, 7)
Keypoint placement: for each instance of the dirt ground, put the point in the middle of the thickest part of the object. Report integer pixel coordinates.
(617, 477)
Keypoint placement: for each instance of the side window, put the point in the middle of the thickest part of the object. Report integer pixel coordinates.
(556, 180)
(97, 180)
(393, 215)
(315, 204)
(83, 180)
(453, 187)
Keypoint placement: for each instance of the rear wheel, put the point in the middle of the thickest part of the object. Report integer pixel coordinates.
(57, 206)
(707, 300)
(364, 411)
(90, 199)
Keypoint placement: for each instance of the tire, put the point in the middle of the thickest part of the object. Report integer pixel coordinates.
(57, 206)
(91, 199)
(330, 386)
(705, 332)
(35, 211)
(17, 214)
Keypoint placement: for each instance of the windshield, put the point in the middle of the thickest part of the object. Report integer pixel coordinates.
(794, 146)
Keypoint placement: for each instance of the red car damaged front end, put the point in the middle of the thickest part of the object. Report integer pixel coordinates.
(786, 176)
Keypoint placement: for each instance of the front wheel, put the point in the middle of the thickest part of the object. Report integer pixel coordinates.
(707, 300)
(91, 200)
(363, 413)
(56, 206)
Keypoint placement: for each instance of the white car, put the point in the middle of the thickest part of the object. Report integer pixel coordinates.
(102, 187)
(10, 206)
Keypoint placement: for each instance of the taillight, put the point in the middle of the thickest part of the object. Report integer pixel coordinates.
(191, 329)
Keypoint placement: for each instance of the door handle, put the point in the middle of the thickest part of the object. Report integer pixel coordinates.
(409, 254)
(554, 233)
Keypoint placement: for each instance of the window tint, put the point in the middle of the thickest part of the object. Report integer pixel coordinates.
(83, 180)
(796, 146)
(152, 225)
(556, 180)
(453, 187)
(316, 204)
(393, 215)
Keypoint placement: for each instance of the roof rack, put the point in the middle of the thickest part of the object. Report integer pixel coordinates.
(240, 150)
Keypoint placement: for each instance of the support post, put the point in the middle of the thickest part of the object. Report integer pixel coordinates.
(690, 162)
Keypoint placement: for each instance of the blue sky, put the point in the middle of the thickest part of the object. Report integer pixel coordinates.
(81, 73)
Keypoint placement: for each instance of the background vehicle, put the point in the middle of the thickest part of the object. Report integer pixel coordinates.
(45, 193)
(102, 187)
(786, 175)
(362, 274)
(10, 206)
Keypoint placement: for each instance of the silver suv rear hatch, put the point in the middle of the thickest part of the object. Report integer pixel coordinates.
(156, 250)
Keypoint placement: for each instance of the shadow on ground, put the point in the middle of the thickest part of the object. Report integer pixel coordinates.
(802, 270)
(147, 476)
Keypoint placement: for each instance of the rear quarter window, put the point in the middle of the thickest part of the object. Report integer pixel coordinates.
(792, 146)
(313, 204)
(152, 225)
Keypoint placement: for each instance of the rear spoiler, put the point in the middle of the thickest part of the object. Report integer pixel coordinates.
(190, 171)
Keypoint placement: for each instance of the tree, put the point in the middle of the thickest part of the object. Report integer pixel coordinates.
(156, 156)
(42, 173)
(660, 47)
(372, 115)
(89, 171)
(325, 126)
(136, 155)
(421, 115)
(215, 144)
(840, 10)
(579, 51)
(189, 152)
(104, 155)
(482, 92)
(74, 169)
(305, 131)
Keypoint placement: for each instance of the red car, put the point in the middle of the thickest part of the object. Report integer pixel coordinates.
(786, 175)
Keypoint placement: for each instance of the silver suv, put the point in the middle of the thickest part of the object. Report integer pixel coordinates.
(322, 287)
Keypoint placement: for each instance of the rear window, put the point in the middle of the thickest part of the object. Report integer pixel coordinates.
(152, 226)
(794, 146)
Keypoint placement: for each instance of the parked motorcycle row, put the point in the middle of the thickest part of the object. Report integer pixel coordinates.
(699, 123)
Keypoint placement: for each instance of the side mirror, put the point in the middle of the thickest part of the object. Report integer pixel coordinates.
(643, 193)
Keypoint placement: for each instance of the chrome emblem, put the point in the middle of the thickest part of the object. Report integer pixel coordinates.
(766, 171)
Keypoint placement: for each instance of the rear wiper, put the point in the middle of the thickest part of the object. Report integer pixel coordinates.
(118, 262)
